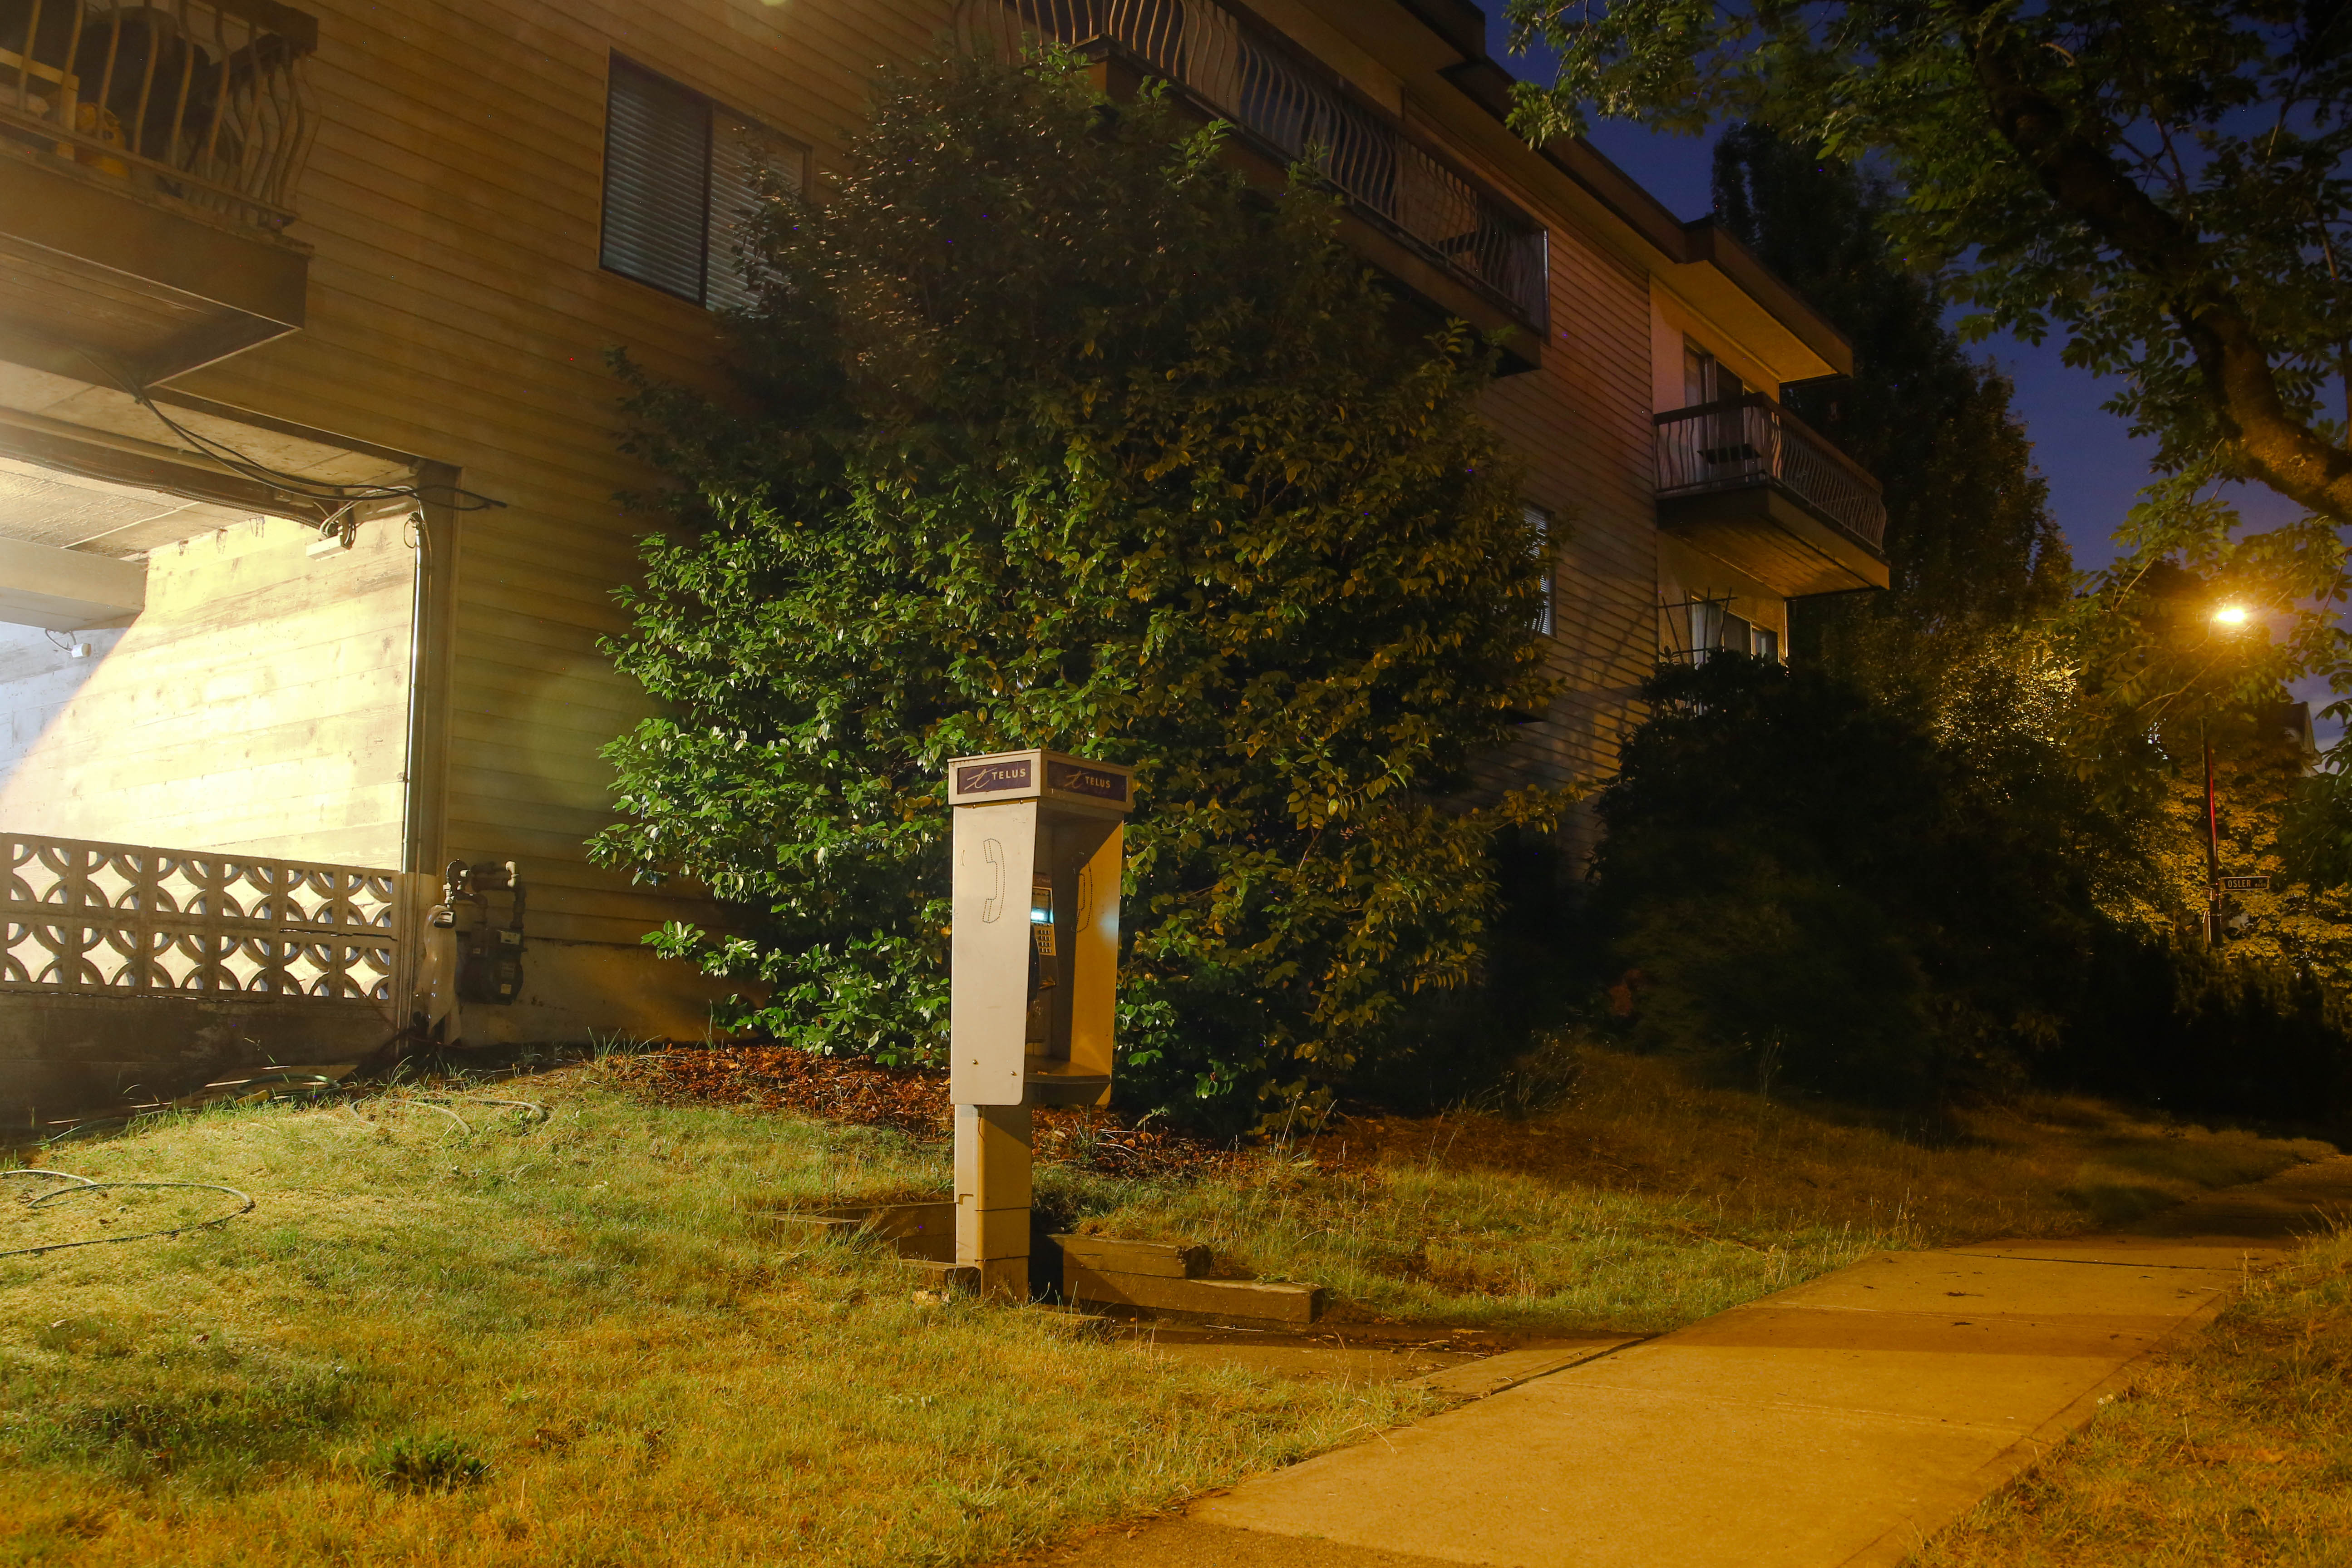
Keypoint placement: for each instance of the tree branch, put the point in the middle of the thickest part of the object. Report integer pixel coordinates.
(2081, 176)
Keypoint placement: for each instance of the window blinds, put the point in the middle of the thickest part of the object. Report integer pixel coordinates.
(744, 158)
(657, 181)
(681, 173)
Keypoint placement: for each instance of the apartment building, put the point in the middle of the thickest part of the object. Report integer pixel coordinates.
(308, 457)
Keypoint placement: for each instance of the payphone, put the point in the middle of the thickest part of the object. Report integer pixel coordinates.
(1039, 846)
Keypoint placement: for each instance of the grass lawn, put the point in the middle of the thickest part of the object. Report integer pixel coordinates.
(2233, 1448)
(471, 1335)
(561, 1344)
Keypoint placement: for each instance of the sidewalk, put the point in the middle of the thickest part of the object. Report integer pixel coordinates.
(1832, 1424)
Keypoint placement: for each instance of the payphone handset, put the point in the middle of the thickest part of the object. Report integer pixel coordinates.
(1038, 857)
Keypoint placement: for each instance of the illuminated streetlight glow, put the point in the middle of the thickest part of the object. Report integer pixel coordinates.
(2230, 615)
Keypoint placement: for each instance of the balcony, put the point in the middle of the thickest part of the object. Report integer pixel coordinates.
(147, 153)
(1433, 227)
(1747, 483)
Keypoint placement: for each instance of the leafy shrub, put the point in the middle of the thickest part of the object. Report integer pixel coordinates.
(1808, 886)
(2170, 1024)
(1050, 431)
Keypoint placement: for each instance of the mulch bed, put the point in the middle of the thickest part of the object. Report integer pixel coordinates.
(911, 1099)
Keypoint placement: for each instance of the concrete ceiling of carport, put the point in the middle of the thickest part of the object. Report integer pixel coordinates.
(42, 506)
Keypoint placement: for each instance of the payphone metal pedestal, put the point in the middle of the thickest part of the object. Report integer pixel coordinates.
(1038, 857)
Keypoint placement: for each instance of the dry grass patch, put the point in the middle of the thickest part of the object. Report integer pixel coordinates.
(1647, 1200)
(2233, 1448)
(2041, 1165)
(561, 1344)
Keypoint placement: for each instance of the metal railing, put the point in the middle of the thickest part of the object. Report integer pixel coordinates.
(1752, 440)
(77, 916)
(1245, 75)
(203, 100)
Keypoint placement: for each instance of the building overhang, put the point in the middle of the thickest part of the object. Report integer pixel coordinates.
(68, 590)
(102, 281)
(1772, 536)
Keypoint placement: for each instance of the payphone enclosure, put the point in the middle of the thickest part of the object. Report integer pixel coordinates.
(1038, 847)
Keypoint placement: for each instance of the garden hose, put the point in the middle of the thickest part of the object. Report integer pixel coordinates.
(85, 1185)
(80, 1185)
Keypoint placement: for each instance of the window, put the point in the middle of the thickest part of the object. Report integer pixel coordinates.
(1737, 633)
(1705, 379)
(680, 173)
(1547, 570)
(1706, 630)
(1697, 629)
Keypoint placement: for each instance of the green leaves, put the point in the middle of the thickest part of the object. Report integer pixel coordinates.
(2160, 182)
(1050, 432)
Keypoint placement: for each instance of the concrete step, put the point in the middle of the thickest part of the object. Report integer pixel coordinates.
(1154, 1278)
(1247, 1303)
(1110, 1256)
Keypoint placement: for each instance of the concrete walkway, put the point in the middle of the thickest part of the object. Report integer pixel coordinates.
(1832, 1426)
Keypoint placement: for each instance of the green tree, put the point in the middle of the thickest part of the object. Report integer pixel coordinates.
(1812, 885)
(1049, 431)
(2159, 179)
(1970, 537)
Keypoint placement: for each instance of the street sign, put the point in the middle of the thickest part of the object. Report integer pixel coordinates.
(2247, 884)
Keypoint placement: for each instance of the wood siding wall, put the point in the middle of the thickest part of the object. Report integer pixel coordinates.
(457, 312)
(1581, 424)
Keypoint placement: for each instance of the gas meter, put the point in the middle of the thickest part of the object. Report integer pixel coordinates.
(488, 955)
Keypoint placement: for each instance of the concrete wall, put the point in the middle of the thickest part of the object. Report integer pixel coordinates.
(38, 677)
(259, 703)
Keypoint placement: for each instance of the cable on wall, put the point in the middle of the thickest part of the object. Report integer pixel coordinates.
(339, 504)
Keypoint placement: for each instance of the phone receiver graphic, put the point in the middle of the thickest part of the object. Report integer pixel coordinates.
(991, 908)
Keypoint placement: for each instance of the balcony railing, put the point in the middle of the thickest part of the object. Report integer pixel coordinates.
(1743, 442)
(202, 101)
(1296, 112)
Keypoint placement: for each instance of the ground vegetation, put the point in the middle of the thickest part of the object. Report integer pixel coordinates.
(466, 1335)
(559, 1318)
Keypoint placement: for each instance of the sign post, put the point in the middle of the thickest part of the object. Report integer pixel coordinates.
(1039, 851)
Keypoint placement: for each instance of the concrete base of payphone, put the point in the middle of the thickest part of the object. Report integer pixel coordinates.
(993, 1197)
(1099, 1274)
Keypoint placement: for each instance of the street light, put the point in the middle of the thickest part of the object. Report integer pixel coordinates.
(2228, 618)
